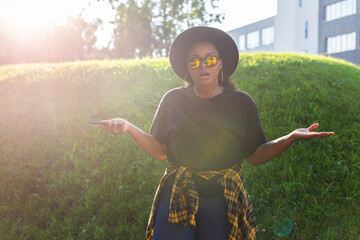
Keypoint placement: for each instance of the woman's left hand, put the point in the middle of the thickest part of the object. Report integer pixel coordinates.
(307, 133)
(270, 150)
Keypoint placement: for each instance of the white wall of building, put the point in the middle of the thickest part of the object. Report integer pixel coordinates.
(290, 25)
(285, 26)
(307, 13)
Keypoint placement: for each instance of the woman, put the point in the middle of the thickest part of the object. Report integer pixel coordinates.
(205, 130)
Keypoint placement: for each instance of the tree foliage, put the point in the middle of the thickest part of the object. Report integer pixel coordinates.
(73, 41)
(133, 29)
(147, 27)
(142, 28)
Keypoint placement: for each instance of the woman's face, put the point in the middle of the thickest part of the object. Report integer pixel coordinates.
(204, 75)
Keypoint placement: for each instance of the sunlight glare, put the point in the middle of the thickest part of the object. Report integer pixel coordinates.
(24, 16)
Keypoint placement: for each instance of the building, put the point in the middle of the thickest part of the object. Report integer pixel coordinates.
(339, 29)
(327, 27)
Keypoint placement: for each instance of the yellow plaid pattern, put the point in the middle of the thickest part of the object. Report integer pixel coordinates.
(184, 200)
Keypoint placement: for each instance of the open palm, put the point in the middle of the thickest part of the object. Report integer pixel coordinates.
(307, 133)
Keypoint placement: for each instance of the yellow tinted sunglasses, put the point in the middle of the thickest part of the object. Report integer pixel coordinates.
(209, 61)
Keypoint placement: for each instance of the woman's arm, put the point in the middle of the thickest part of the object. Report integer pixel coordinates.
(146, 141)
(270, 150)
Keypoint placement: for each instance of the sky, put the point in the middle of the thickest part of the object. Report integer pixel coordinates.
(237, 13)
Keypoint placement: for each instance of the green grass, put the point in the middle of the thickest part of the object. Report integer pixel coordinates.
(63, 179)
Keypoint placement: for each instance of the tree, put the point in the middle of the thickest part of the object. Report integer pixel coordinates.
(148, 27)
(74, 41)
(86, 32)
(133, 34)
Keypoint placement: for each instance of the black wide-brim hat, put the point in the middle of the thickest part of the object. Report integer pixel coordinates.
(223, 42)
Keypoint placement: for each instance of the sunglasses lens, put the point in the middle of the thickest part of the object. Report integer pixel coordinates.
(194, 63)
(211, 61)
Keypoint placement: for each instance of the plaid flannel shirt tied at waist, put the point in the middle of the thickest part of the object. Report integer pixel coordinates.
(184, 200)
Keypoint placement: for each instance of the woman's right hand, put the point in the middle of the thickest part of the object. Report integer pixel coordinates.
(147, 142)
(113, 126)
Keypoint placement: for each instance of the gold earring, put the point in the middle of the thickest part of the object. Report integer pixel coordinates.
(222, 77)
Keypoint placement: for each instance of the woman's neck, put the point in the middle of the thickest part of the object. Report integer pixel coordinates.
(208, 91)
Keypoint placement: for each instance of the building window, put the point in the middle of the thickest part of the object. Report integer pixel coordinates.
(341, 43)
(340, 9)
(253, 40)
(242, 43)
(267, 36)
(306, 29)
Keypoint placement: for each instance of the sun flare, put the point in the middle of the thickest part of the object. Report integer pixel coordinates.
(24, 16)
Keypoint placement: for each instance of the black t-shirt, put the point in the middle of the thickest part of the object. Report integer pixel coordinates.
(207, 134)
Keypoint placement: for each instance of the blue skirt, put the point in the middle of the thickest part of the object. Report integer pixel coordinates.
(211, 219)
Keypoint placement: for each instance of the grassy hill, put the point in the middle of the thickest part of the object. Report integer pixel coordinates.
(63, 179)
